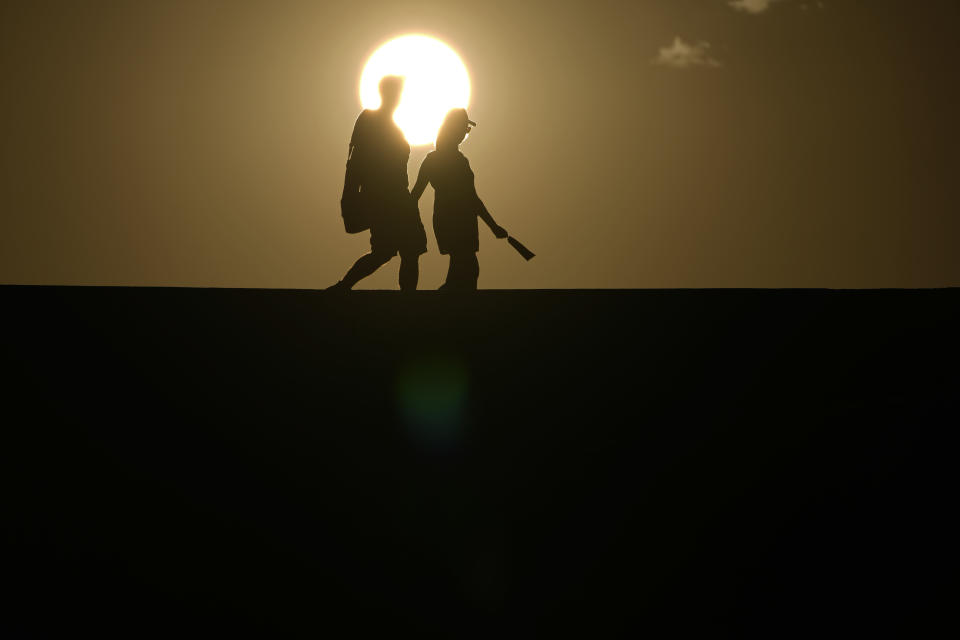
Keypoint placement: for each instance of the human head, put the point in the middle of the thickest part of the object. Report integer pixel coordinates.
(456, 125)
(391, 89)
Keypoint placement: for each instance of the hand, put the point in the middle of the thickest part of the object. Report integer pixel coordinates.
(499, 232)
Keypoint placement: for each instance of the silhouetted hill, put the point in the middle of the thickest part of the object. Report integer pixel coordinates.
(751, 463)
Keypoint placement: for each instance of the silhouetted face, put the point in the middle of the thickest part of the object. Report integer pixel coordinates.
(453, 130)
(391, 88)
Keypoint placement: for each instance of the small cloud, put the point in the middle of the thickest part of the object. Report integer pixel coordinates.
(683, 55)
(751, 6)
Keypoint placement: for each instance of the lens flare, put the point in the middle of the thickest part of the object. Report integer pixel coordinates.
(436, 81)
(431, 397)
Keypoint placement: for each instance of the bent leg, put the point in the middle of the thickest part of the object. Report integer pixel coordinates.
(363, 267)
(409, 272)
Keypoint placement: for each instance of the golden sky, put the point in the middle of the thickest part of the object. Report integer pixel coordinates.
(642, 143)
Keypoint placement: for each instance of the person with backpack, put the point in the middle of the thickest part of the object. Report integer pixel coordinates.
(375, 195)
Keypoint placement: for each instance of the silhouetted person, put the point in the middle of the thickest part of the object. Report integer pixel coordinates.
(456, 205)
(377, 167)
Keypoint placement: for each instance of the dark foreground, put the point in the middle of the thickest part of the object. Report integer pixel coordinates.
(747, 463)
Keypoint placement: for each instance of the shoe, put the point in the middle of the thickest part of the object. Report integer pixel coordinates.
(339, 287)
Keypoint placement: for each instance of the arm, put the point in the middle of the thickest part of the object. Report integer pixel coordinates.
(423, 177)
(497, 230)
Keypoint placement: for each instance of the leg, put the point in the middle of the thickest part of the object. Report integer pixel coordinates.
(471, 271)
(453, 267)
(463, 272)
(362, 268)
(409, 272)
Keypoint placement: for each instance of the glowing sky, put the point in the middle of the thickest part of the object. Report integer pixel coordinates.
(634, 143)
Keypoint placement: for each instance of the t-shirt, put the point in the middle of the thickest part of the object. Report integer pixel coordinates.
(379, 152)
(452, 180)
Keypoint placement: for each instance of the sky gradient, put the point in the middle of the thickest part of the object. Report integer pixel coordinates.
(649, 143)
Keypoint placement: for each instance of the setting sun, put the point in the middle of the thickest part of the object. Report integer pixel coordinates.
(436, 81)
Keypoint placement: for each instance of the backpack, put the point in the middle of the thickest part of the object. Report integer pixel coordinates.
(354, 205)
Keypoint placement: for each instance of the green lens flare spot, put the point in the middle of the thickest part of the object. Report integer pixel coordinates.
(431, 397)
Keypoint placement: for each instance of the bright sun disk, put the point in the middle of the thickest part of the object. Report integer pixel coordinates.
(436, 81)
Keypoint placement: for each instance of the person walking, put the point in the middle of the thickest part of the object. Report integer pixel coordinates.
(376, 182)
(456, 205)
